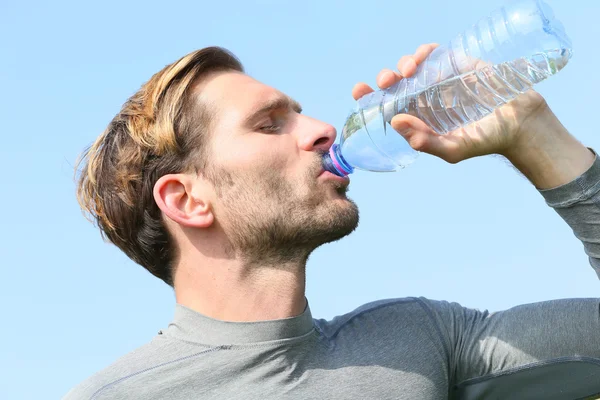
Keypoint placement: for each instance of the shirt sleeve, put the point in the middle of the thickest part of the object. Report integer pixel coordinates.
(547, 350)
(578, 204)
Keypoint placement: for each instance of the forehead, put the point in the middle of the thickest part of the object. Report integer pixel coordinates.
(234, 94)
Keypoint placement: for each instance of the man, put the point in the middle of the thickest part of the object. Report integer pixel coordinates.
(213, 182)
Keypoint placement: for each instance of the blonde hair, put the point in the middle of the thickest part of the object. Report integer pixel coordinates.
(160, 130)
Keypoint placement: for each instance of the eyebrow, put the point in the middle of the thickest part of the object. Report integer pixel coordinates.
(279, 103)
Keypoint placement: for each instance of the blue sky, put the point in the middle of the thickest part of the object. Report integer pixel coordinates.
(476, 233)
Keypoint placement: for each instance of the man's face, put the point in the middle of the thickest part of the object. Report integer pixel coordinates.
(274, 200)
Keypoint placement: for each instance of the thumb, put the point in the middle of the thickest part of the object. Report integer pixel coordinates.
(422, 138)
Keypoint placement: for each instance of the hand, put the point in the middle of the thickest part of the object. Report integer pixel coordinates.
(508, 127)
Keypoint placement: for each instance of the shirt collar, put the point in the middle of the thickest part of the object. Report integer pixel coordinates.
(192, 326)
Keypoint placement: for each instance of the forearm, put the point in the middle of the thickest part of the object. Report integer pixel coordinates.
(547, 154)
(567, 175)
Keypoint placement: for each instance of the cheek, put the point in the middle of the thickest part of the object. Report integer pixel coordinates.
(254, 156)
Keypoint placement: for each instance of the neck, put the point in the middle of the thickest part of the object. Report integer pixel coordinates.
(232, 290)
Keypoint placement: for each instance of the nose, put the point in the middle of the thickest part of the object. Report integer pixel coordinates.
(316, 135)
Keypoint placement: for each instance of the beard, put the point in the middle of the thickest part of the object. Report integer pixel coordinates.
(268, 219)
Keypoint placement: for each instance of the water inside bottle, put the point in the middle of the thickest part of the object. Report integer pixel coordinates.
(467, 98)
(369, 142)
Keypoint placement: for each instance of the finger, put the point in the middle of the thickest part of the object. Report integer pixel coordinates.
(387, 78)
(422, 138)
(424, 51)
(407, 66)
(360, 89)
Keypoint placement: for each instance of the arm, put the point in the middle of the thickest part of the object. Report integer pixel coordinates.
(567, 174)
(564, 171)
(547, 154)
(547, 350)
(529, 135)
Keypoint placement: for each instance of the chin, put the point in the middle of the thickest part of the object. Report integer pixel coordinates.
(343, 216)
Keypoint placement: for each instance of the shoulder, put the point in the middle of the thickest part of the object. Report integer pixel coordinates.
(380, 313)
(159, 352)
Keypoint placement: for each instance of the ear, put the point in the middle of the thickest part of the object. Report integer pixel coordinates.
(184, 199)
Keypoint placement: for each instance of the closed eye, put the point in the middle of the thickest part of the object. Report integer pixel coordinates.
(270, 128)
(281, 104)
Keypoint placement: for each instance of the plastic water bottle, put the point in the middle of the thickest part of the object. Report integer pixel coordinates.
(499, 58)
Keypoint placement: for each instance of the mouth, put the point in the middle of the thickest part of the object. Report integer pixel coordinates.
(326, 175)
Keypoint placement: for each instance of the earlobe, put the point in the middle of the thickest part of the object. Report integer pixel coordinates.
(174, 196)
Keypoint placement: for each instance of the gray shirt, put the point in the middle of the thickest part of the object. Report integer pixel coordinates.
(409, 348)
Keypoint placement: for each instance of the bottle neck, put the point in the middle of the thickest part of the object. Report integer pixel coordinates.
(335, 163)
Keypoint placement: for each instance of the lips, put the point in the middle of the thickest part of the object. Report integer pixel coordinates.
(329, 176)
(322, 172)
